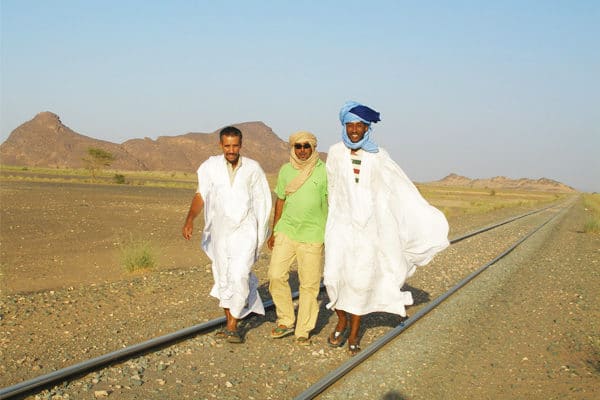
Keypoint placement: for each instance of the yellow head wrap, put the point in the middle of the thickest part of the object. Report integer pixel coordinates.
(307, 166)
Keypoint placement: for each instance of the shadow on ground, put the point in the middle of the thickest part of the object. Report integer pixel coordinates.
(372, 320)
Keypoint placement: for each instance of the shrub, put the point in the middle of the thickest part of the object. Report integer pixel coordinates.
(592, 226)
(591, 202)
(138, 255)
(119, 178)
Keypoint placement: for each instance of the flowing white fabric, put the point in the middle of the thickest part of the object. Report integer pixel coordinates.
(236, 220)
(378, 231)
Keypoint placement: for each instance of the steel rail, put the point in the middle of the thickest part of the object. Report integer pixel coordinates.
(493, 226)
(347, 366)
(130, 351)
(105, 359)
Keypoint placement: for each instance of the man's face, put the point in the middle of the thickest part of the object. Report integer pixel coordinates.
(356, 131)
(303, 150)
(231, 146)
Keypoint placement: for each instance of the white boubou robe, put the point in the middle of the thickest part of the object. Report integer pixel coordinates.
(236, 225)
(378, 231)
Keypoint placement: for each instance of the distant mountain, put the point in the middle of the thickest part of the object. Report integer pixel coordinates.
(46, 142)
(501, 182)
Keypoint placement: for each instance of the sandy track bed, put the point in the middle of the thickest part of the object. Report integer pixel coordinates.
(66, 298)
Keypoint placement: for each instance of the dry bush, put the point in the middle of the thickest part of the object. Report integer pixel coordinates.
(591, 203)
(138, 255)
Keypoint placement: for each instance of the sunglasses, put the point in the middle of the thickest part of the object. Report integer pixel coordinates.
(299, 146)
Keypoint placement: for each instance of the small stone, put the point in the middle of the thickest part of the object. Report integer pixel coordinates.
(137, 380)
(100, 393)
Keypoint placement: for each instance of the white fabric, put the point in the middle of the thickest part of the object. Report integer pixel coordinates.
(378, 230)
(236, 220)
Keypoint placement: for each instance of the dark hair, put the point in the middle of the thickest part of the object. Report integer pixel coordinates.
(230, 131)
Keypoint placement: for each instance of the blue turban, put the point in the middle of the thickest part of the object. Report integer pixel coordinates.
(355, 112)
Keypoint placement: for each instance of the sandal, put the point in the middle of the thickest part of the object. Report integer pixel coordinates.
(337, 339)
(220, 334)
(303, 341)
(281, 331)
(353, 349)
(233, 336)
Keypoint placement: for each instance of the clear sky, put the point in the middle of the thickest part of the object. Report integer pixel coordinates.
(478, 88)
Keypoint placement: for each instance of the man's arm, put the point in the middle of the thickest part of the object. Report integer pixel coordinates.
(195, 209)
(278, 210)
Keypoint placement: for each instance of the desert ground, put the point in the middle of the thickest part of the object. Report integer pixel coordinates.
(59, 229)
(66, 295)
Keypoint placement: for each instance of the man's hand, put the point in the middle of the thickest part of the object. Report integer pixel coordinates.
(195, 208)
(271, 242)
(278, 210)
(187, 230)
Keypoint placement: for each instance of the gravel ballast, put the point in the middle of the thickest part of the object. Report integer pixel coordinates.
(488, 342)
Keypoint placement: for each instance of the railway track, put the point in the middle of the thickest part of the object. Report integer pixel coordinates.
(346, 367)
(94, 364)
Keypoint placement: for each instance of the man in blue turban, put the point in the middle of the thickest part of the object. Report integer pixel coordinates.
(352, 113)
(379, 228)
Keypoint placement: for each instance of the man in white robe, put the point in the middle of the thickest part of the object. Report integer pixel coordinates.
(236, 198)
(379, 228)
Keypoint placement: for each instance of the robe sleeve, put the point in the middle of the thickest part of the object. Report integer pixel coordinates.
(423, 228)
(261, 203)
(203, 179)
(330, 166)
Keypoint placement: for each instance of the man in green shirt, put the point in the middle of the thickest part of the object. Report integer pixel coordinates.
(298, 234)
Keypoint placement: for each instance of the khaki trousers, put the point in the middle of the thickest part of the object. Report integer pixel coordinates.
(310, 270)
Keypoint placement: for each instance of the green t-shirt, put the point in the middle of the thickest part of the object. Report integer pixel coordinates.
(305, 211)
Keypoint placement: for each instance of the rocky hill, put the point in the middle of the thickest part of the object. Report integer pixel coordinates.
(542, 184)
(46, 142)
